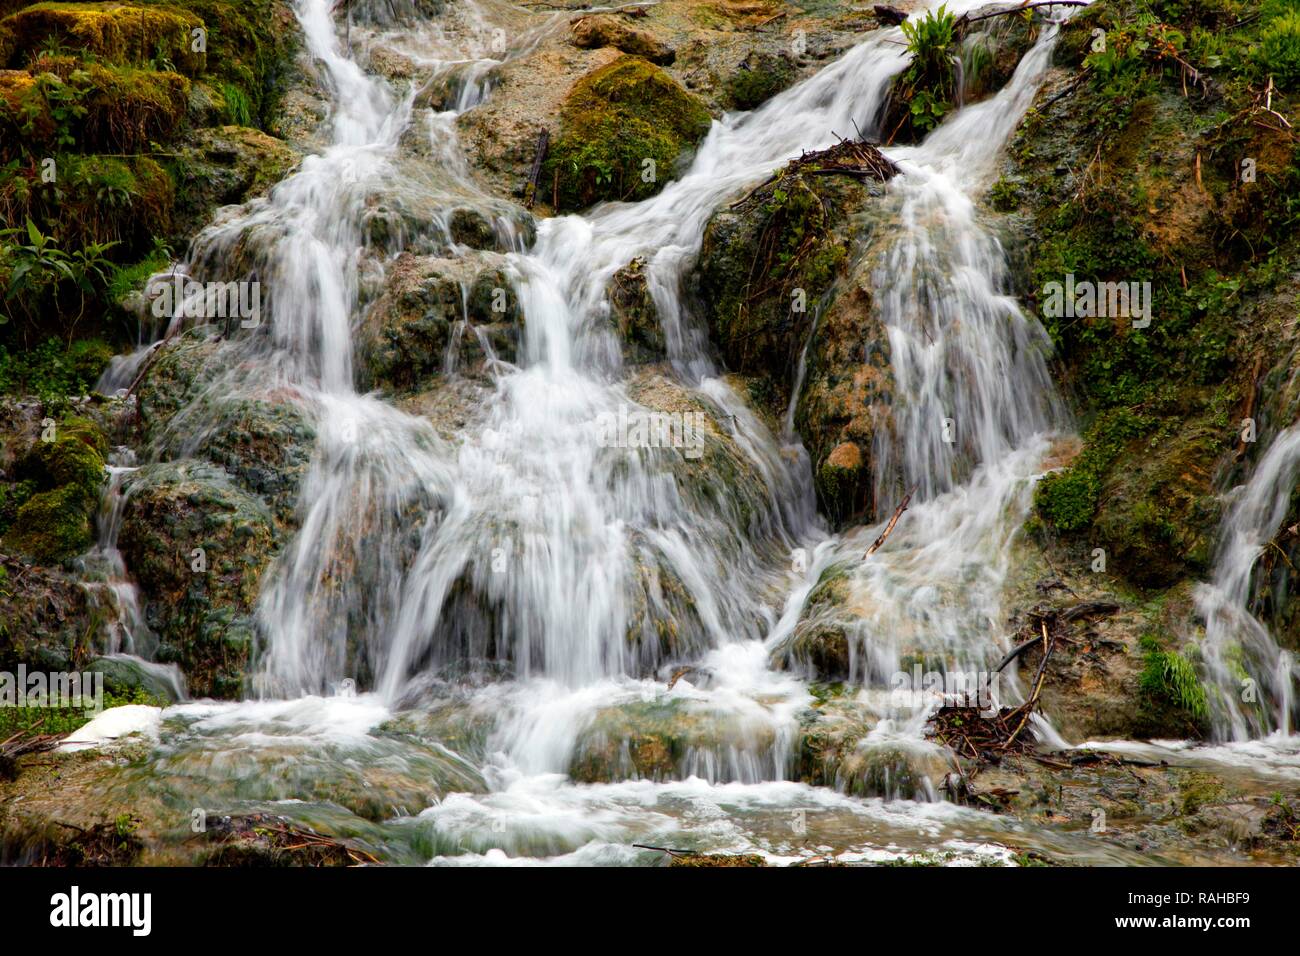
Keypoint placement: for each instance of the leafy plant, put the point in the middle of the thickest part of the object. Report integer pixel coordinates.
(38, 268)
(1278, 53)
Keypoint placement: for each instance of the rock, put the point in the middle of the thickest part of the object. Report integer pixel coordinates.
(758, 78)
(623, 128)
(846, 401)
(46, 620)
(636, 321)
(224, 166)
(197, 545)
(120, 33)
(823, 644)
(667, 739)
(128, 676)
(430, 306)
(57, 482)
(602, 29)
(800, 233)
(836, 750)
(264, 443)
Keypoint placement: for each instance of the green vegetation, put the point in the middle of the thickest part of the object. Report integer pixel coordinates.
(52, 370)
(1171, 690)
(50, 506)
(64, 720)
(92, 97)
(1179, 177)
(622, 131)
(926, 90)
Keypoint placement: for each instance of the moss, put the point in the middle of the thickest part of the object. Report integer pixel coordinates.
(111, 32)
(1173, 697)
(51, 526)
(52, 371)
(759, 77)
(55, 522)
(96, 106)
(250, 45)
(617, 121)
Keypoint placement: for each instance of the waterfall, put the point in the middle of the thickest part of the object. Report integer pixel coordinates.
(1252, 680)
(590, 573)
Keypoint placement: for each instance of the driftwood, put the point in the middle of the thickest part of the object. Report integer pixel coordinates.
(543, 142)
(848, 157)
(25, 741)
(966, 19)
(898, 513)
(1073, 613)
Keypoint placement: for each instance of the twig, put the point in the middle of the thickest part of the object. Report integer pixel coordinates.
(963, 19)
(543, 141)
(898, 512)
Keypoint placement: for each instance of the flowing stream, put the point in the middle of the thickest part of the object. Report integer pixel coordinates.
(524, 542)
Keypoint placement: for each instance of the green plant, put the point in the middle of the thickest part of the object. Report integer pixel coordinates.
(1278, 53)
(38, 267)
(1170, 678)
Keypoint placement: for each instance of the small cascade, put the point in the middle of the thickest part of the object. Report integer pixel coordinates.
(1252, 680)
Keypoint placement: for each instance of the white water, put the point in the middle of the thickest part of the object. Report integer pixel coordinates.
(523, 541)
(1252, 680)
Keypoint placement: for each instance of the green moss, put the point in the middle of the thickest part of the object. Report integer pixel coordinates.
(1278, 53)
(622, 130)
(51, 526)
(1067, 500)
(112, 32)
(758, 79)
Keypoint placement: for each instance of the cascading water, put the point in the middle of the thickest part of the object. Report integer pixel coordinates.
(527, 541)
(1252, 680)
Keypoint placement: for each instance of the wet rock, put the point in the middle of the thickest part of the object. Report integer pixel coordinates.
(768, 266)
(836, 750)
(50, 505)
(635, 318)
(224, 166)
(46, 619)
(758, 78)
(264, 444)
(667, 739)
(197, 545)
(623, 128)
(434, 314)
(127, 677)
(603, 29)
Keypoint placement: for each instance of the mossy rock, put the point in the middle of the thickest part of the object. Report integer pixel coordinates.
(46, 618)
(635, 318)
(758, 78)
(57, 521)
(224, 166)
(822, 645)
(623, 129)
(430, 306)
(119, 33)
(119, 109)
(197, 544)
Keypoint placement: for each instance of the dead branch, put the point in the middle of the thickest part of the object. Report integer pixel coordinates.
(898, 513)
